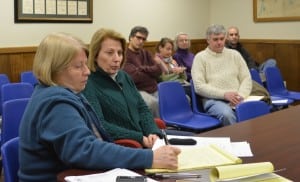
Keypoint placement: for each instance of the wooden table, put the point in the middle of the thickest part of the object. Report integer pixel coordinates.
(274, 137)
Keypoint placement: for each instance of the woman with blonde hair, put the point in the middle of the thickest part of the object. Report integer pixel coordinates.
(60, 130)
(113, 94)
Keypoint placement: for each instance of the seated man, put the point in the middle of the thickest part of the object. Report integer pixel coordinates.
(220, 76)
(143, 68)
(233, 42)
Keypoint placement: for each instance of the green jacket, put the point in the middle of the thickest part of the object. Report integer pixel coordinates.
(120, 106)
(181, 78)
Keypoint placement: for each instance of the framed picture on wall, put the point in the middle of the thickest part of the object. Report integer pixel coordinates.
(276, 10)
(59, 11)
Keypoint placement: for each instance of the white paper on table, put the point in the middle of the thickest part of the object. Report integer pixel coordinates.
(241, 149)
(109, 176)
(253, 98)
(281, 101)
(222, 142)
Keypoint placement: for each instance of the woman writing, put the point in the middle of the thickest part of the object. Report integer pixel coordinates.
(60, 130)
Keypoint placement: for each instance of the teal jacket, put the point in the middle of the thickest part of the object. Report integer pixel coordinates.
(56, 134)
(120, 106)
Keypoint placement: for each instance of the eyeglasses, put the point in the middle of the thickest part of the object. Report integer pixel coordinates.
(141, 38)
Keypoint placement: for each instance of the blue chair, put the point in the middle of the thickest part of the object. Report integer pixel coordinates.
(255, 76)
(28, 77)
(196, 101)
(10, 158)
(274, 100)
(3, 80)
(175, 109)
(275, 85)
(251, 109)
(11, 91)
(15, 91)
(12, 114)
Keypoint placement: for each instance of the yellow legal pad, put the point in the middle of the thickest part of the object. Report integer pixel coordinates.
(200, 157)
(261, 171)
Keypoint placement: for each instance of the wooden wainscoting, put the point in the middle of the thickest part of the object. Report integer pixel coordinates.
(287, 54)
(14, 60)
(196, 45)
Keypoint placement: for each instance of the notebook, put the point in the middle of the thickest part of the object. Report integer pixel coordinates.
(261, 171)
(200, 157)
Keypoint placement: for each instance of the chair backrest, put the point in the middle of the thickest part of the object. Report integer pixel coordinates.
(10, 160)
(3, 80)
(12, 114)
(255, 76)
(28, 77)
(11, 91)
(173, 103)
(274, 81)
(251, 109)
(196, 100)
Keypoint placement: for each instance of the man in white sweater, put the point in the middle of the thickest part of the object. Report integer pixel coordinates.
(220, 76)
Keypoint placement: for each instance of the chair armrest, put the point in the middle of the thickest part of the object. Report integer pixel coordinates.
(160, 123)
(128, 143)
(134, 144)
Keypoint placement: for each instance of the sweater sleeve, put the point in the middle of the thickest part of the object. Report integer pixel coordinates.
(67, 134)
(151, 67)
(141, 70)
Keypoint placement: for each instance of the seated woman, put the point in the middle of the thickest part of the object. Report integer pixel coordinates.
(172, 71)
(183, 55)
(112, 92)
(60, 130)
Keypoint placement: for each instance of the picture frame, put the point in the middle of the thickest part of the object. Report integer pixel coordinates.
(53, 11)
(276, 10)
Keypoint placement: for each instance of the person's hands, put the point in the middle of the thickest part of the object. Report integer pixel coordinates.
(149, 141)
(165, 157)
(233, 97)
(178, 69)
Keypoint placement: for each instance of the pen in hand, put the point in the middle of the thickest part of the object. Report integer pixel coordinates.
(165, 137)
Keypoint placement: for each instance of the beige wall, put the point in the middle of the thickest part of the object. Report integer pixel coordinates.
(162, 17)
(240, 13)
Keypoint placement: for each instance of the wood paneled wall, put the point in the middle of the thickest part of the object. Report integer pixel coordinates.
(15, 60)
(287, 53)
